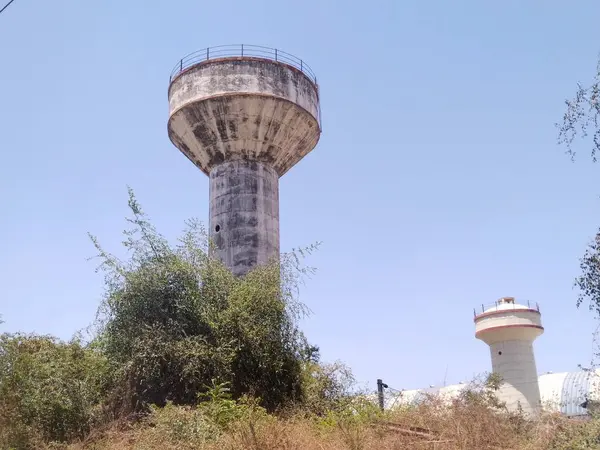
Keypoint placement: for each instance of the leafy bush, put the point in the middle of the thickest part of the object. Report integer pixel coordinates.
(327, 387)
(193, 427)
(48, 389)
(180, 426)
(174, 318)
(222, 411)
(574, 435)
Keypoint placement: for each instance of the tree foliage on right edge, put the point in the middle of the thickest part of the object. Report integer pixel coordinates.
(582, 117)
(588, 282)
(174, 319)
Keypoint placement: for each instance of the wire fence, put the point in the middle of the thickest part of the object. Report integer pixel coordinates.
(242, 50)
(506, 306)
(391, 389)
(392, 394)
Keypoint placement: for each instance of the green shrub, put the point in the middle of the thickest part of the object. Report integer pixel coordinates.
(574, 435)
(221, 410)
(174, 318)
(180, 426)
(326, 387)
(193, 427)
(49, 389)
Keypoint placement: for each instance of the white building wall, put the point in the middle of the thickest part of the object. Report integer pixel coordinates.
(551, 390)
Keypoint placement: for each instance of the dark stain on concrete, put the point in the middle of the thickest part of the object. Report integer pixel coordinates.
(257, 122)
(233, 127)
(222, 127)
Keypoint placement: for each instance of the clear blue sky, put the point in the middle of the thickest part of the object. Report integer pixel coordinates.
(437, 184)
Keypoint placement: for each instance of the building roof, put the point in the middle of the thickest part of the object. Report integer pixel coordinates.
(565, 392)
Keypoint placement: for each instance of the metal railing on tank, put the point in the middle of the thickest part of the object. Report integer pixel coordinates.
(241, 50)
(505, 306)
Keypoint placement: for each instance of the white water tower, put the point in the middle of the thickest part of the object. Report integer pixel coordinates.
(510, 329)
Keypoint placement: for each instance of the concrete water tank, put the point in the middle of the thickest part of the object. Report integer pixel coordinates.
(509, 329)
(244, 115)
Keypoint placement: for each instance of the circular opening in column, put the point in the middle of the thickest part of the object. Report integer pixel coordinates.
(217, 228)
(500, 353)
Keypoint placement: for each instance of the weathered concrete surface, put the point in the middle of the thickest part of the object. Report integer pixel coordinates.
(244, 108)
(244, 214)
(244, 122)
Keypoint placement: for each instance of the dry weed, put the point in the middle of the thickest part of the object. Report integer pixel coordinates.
(430, 426)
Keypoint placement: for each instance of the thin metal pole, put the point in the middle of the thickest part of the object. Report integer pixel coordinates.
(380, 393)
(301, 69)
(181, 65)
(275, 54)
(207, 53)
(242, 49)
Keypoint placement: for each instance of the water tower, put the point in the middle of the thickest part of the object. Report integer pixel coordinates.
(244, 115)
(510, 329)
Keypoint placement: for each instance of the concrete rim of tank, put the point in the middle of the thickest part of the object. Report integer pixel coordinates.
(504, 327)
(503, 311)
(248, 58)
(241, 51)
(253, 94)
(242, 58)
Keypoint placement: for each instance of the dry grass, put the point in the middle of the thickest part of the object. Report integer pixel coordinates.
(428, 427)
